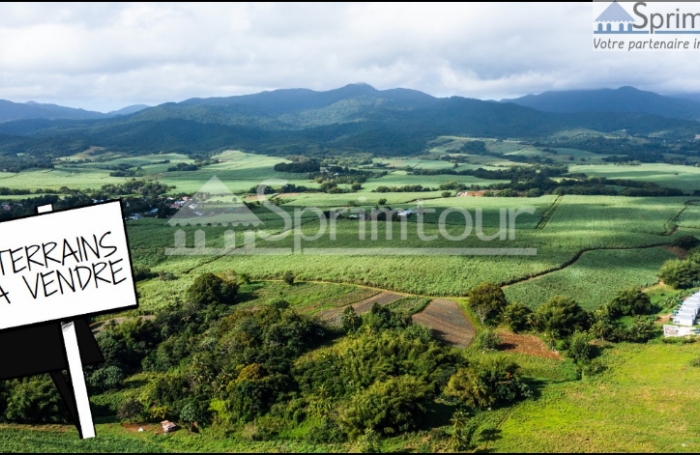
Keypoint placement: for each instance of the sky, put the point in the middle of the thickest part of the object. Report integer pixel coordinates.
(110, 55)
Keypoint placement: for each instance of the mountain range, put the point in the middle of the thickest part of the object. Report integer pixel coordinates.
(10, 111)
(354, 118)
(622, 100)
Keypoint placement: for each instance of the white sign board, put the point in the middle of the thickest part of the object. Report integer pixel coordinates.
(61, 265)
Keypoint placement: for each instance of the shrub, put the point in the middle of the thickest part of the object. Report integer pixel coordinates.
(130, 410)
(680, 274)
(141, 273)
(208, 289)
(446, 194)
(488, 340)
(288, 277)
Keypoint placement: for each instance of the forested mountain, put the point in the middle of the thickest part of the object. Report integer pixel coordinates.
(354, 118)
(622, 100)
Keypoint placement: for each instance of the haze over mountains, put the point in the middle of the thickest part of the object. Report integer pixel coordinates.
(354, 118)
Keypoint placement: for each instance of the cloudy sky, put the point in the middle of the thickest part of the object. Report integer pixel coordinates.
(106, 56)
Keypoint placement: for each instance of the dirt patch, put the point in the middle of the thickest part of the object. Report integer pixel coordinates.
(676, 251)
(447, 321)
(333, 317)
(663, 319)
(147, 428)
(471, 193)
(526, 344)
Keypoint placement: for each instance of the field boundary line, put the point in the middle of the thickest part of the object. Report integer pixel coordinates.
(573, 260)
(547, 215)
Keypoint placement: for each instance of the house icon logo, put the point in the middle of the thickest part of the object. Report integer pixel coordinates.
(614, 21)
(213, 205)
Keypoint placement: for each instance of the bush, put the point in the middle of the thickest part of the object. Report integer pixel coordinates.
(641, 330)
(517, 316)
(141, 273)
(488, 340)
(381, 201)
(288, 277)
(130, 411)
(209, 289)
(446, 194)
(680, 274)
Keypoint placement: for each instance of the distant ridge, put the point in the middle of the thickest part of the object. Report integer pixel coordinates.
(623, 100)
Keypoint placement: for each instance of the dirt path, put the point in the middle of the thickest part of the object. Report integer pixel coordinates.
(333, 316)
(448, 322)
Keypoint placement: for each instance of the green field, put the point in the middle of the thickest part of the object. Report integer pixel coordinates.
(645, 402)
(675, 176)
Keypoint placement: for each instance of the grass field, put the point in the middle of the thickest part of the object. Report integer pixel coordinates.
(675, 176)
(645, 402)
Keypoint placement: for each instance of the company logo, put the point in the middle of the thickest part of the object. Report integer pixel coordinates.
(648, 20)
(641, 26)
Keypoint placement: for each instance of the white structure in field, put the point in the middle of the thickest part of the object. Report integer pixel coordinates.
(688, 312)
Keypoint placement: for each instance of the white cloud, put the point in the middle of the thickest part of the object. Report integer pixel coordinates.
(104, 56)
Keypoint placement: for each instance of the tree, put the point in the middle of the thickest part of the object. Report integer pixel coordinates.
(579, 348)
(483, 384)
(463, 429)
(35, 400)
(288, 277)
(603, 327)
(107, 378)
(629, 303)
(130, 410)
(680, 274)
(351, 321)
(488, 302)
(209, 289)
(517, 316)
(391, 406)
(560, 318)
(641, 330)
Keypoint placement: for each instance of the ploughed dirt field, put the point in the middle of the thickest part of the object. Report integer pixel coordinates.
(448, 322)
(526, 344)
(334, 315)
